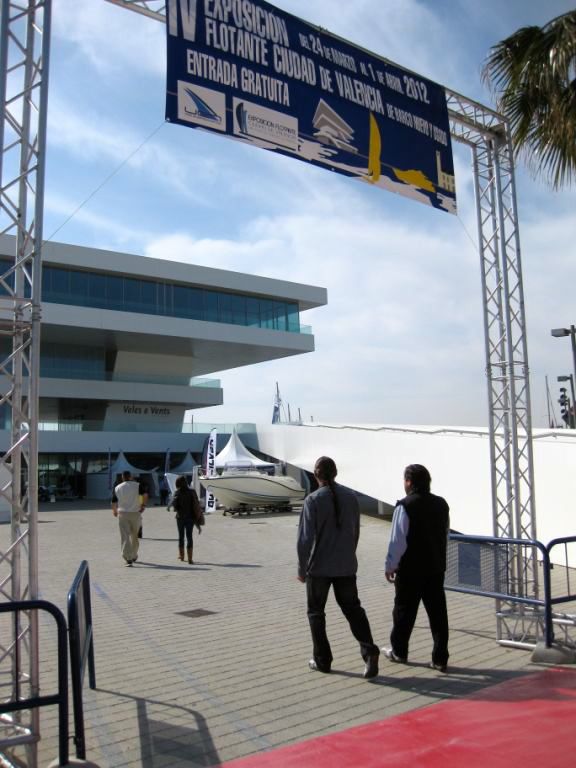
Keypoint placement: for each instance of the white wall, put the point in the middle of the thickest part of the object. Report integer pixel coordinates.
(371, 460)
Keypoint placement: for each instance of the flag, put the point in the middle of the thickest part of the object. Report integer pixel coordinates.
(211, 468)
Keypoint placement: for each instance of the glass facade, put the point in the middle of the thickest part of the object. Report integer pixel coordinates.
(67, 361)
(157, 297)
(64, 474)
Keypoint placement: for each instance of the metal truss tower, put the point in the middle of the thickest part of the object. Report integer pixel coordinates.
(511, 457)
(24, 51)
(24, 56)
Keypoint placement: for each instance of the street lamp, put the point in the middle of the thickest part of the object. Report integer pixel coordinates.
(559, 332)
(571, 411)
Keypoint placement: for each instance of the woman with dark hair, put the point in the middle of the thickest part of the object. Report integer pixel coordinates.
(188, 514)
(327, 539)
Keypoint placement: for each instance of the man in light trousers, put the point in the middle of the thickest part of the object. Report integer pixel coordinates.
(128, 503)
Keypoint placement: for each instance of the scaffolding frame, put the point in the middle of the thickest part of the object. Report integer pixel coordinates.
(24, 60)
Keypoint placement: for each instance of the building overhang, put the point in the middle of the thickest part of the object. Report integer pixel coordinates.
(209, 347)
(189, 397)
(116, 262)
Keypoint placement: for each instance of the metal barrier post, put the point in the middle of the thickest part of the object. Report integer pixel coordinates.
(81, 649)
(61, 698)
(548, 625)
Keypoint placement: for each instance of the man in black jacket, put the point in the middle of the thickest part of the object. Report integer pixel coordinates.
(416, 563)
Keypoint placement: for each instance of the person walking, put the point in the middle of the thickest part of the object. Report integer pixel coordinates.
(188, 514)
(128, 503)
(328, 535)
(143, 492)
(416, 564)
(164, 491)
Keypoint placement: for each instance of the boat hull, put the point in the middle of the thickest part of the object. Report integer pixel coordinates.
(247, 489)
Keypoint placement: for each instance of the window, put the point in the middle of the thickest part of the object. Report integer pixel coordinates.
(58, 361)
(130, 294)
(114, 292)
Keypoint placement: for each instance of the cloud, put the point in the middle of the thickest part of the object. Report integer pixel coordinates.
(108, 232)
(92, 138)
(393, 308)
(109, 38)
(401, 339)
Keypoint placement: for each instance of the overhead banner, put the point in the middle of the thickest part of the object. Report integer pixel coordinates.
(254, 73)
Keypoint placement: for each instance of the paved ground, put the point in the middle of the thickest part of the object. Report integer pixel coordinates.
(197, 690)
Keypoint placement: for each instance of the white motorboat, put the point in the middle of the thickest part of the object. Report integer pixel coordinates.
(243, 480)
(251, 488)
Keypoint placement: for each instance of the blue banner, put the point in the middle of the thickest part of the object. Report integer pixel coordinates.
(254, 73)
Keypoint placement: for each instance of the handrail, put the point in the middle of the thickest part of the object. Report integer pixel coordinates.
(432, 430)
(81, 639)
(61, 698)
(557, 542)
(546, 603)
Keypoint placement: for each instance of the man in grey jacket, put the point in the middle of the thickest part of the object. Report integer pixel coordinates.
(327, 539)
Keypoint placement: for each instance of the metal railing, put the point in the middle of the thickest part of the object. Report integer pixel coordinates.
(91, 375)
(187, 427)
(81, 638)
(480, 565)
(17, 703)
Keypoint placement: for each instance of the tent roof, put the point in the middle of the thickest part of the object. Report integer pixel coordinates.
(235, 454)
(121, 464)
(186, 465)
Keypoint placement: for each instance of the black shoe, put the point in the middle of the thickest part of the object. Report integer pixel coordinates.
(316, 668)
(371, 667)
(129, 563)
(438, 667)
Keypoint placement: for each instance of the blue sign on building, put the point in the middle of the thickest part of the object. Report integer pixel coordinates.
(250, 71)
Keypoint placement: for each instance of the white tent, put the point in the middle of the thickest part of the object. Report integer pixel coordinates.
(185, 467)
(235, 455)
(99, 485)
(121, 464)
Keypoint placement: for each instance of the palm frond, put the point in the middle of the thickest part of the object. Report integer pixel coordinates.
(532, 74)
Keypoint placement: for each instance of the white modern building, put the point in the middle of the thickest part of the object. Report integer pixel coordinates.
(127, 345)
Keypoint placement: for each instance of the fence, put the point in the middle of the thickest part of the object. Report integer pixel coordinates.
(81, 649)
(481, 565)
(81, 640)
(61, 698)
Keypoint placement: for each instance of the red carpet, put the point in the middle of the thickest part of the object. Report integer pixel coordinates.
(529, 722)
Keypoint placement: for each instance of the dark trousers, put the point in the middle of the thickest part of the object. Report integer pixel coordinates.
(185, 527)
(410, 590)
(346, 594)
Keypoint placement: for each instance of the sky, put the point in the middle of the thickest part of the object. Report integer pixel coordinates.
(401, 338)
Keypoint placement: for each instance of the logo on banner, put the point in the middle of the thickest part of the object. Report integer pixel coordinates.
(332, 129)
(202, 106)
(256, 122)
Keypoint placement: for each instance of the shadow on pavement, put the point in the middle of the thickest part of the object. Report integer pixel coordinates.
(174, 733)
(162, 567)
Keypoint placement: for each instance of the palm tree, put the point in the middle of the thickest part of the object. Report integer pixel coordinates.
(533, 76)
